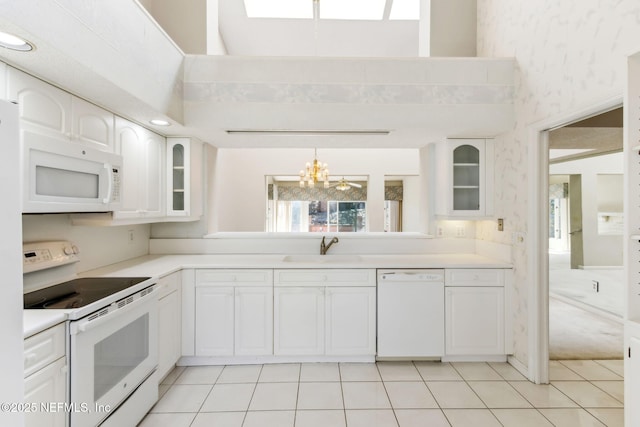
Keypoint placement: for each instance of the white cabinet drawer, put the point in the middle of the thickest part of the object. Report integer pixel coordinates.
(325, 277)
(474, 277)
(224, 277)
(43, 348)
(168, 284)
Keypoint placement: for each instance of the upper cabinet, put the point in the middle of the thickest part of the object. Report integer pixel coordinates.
(91, 125)
(48, 110)
(464, 178)
(143, 155)
(184, 178)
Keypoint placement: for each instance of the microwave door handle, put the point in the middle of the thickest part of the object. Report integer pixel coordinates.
(109, 169)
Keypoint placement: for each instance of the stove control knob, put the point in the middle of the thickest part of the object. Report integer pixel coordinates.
(68, 250)
(75, 249)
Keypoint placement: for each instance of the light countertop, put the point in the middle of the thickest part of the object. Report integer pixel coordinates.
(35, 321)
(162, 265)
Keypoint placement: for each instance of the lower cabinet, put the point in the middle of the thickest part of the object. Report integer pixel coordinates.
(299, 321)
(350, 320)
(45, 381)
(475, 319)
(234, 312)
(338, 318)
(169, 323)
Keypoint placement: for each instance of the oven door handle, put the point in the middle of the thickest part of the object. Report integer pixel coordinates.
(92, 324)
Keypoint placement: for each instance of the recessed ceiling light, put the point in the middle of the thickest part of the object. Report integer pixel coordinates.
(12, 42)
(159, 122)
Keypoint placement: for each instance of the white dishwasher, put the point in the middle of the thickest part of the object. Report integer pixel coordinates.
(410, 314)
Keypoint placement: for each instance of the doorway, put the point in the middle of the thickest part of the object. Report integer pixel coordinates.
(585, 260)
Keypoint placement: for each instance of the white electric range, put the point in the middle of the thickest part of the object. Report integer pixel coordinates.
(112, 335)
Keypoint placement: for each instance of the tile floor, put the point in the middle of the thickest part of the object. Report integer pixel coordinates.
(398, 394)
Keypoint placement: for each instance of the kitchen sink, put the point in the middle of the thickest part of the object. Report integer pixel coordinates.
(316, 258)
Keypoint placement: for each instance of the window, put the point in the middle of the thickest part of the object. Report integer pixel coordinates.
(295, 209)
(373, 10)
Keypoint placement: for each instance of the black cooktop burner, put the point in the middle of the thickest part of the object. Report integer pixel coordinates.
(78, 292)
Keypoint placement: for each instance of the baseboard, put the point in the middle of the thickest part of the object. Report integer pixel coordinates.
(518, 366)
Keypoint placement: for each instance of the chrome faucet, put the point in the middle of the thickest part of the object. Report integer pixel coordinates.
(324, 247)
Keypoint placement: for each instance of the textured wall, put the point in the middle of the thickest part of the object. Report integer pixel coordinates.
(570, 55)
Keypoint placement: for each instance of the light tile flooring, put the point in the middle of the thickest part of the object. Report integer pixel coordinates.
(398, 394)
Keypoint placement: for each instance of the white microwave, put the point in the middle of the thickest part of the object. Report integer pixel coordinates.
(61, 176)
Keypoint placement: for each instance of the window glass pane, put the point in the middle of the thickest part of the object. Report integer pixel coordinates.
(352, 9)
(279, 8)
(405, 9)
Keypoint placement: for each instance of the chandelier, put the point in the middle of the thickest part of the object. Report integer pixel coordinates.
(314, 172)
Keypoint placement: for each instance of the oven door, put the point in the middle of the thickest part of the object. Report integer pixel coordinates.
(111, 355)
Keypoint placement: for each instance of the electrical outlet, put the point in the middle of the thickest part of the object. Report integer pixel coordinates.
(595, 285)
(132, 236)
(440, 232)
(460, 231)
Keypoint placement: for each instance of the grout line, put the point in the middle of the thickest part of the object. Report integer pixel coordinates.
(344, 406)
(252, 394)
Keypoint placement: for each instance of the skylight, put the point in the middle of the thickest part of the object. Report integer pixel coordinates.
(296, 9)
(352, 9)
(329, 9)
(405, 9)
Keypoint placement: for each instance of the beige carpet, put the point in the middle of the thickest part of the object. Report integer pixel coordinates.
(578, 334)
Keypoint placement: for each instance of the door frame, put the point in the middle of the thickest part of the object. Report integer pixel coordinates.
(538, 220)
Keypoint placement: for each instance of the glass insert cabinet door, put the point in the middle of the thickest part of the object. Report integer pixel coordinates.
(466, 178)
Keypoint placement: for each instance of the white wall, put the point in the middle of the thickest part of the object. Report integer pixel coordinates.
(453, 28)
(238, 179)
(184, 21)
(570, 54)
(599, 250)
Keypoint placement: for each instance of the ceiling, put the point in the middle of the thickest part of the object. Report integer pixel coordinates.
(115, 55)
(593, 136)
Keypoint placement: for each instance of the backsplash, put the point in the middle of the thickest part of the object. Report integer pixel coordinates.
(99, 246)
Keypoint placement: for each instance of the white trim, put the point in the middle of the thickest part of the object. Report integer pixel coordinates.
(518, 365)
(538, 268)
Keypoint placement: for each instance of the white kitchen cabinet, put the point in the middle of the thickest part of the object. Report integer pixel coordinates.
(45, 370)
(234, 312)
(214, 321)
(299, 321)
(464, 178)
(169, 323)
(184, 178)
(48, 110)
(92, 125)
(477, 319)
(43, 108)
(474, 320)
(143, 171)
(324, 312)
(350, 314)
(47, 385)
(253, 320)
